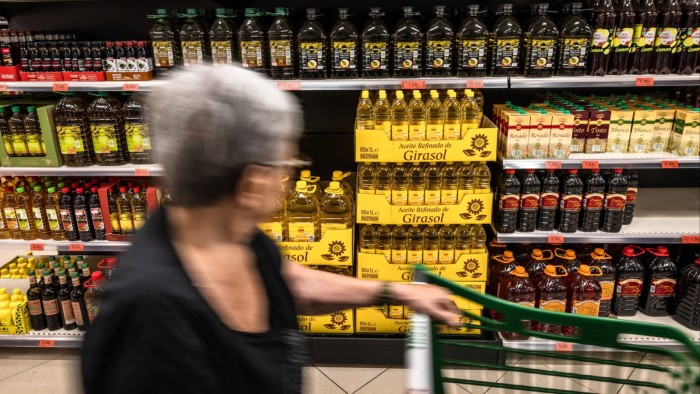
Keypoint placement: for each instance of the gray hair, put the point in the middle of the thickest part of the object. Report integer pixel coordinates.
(209, 123)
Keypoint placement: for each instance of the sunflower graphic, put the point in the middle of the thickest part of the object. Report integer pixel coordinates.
(471, 265)
(338, 320)
(475, 207)
(479, 142)
(336, 248)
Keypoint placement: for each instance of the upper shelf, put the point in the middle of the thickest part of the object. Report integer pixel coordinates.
(608, 81)
(606, 160)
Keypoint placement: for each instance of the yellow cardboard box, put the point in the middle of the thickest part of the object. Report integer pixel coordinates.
(562, 131)
(663, 129)
(334, 248)
(472, 209)
(642, 131)
(18, 322)
(340, 322)
(468, 267)
(620, 130)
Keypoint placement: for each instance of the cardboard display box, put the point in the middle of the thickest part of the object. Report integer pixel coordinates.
(334, 248)
(153, 197)
(52, 149)
(340, 322)
(472, 209)
(468, 267)
(41, 76)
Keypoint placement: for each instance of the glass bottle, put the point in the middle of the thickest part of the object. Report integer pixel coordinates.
(689, 38)
(472, 40)
(49, 301)
(376, 55)
(113, 211)
(644, 37)
(126, 217)
(70, 227)
(93, 295)
(69, 322)
(77, 300)
(312, 47)
(36, 310)
(541, 44)
(41, 222)
(573, 43)
(408, 46)
(25, 218)
(507, 36)
(53, 214)
(439, 39)
(33, 136)
(344, 47)
(81, 211)
(603, 27)
(251, 38)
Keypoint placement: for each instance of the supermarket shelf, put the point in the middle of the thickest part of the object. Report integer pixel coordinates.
(608, 81)
(123, 170)
(607, 160)
(662, 216)
(56, 339)
(104, 86)
(66, 246)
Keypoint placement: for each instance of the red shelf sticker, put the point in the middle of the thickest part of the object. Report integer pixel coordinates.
(555, 239)
(59, 87)
(289, 85)
(669, 163)
(475, 84)
(416, 84)
(552, 165)
(131, 87)
(690, 239)
(76, 247)
(644, 81)
(590, 164)
(36, 247)
(3, 88)
(47, 343)
(563, 347)
(142, 172)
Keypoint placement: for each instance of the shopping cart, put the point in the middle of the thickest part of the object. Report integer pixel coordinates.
(598, 335)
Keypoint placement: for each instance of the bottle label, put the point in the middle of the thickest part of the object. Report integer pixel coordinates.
(38, 220)
(77, 313)
(631, 195)
(375, 56)
(644, 37)
(438, 54)
(600, 41)
(192, 53)
(104, 139)
(615, 201)
(549, 200)
(52, 216)
(139, 218)
(629, 287)
(416, 132)
(81, 220)
(570, 202)
(507, 53)
(398, 256)
(690, 39)
(70, 139)
(126, 222)
(448, 197)
(35, 308)
(509, 202)
(530, 304)
(23, 219)
(272, 230)
(97, 219)
(542, 54)
(399, 132)
(447, 256)
(399, 197)
(251, 54)
(432, 197)
(622, 39)
(593, 201)
(408, 55)
(430, 256)
(666, 39)
(50, 307)
(34, 144)
(138, 138)
(434, 132)
(608, 288)
(19, 144)
(163, 53)
(311, 56)
(66, 220)
(281, 53)
(574, 53)
(67, 311)
(452, 131)
(415, 257)
(586, 307)
(553, 305)
(473, 54)
(344, 55)
(11, 218)
(663, 287)
(221, 52)
(114, 220)
(302, 232)
(529, 201)
(416, 197)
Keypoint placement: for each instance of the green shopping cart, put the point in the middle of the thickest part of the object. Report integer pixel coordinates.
(676, 370)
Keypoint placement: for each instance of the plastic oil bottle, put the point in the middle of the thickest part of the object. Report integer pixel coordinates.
(518, 288)
(622, 39)
(567, 259)
(453, 117)
(416, 118)
(446, 245)
(368, 239)
(470, 113)
(477, 239)
(659, 284)
(415, 245)
(107, 131)
(222, 35)
(165, 42)
(603, 25)
(384, 183)
(384, 242)
(194, 40)
(251, 38)
(583, 295)
(312, 47)
(472, 40)
(73, 131)
(32, 131)
(335, 209)
(280, 38)
(416, 184)
(312, 182)
(275, 226)
(4, 231)
(399, 185)
(541, 44)
(667, 37)
(19, 137)
(631, 198)
(573, 44)
(507, 35)
(529, 202)
(399, 118)
(499, 269)
(432, 184)
(302, 215)
(345, 54)
(439, 52)
(376, 55)
(448, 184)
(126, 217)
(339, 177)
(41, 222)
(687, 306)
(435, 117)
(113, 211)
(644, 37)
(25, 219)
(603, 261)
(399, 245)
(465, 180)
(53, 214)
(366, 179)
(482, 178)
(431, 251)
(408, 46)
(139, 208)
(382, 114)
(629, 280)
(5, 132)
(136, 130)
(364, 119)
(614, 204)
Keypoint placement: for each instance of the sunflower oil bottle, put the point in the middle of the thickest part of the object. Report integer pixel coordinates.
(368, 239)
(462, 241)
(340, 176)
(335, 209)
(432, 184)
(408, 46)
(448, 184)
(399, 185)
(376, 55)
(382, 114)
(399, 245)
(384, 242)
(251, 39)
(399, 118)
(312, 182)
(366, 179)
(470, 113)
(383, 183)
(439, 38)
(312, 47)
(414, 245)
(280, 38)
(303, 215)
(446, 245)
(477, 239)
(275, 226)
(453, 118)
(364, 120)
(416, 118)
(416, 184)
(465, 180)
(344, 47)
(431, 243)
(435, 117)
(482, 178)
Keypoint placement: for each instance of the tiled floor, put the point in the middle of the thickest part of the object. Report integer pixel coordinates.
(56, 371)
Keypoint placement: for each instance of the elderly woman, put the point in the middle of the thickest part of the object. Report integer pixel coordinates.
(203, 301)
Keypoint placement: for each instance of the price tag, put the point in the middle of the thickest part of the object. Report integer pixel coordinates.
(131, 87)
(413, 84)
(289, 85)
(669, 163)
(3, 88)
(644, 81)
(47, 343)
(690, 239)
(555, 239)
(563, 347)
(36, 247)
(552, 165)
(475, 84)
(142, 172)
(590, 165)
(59, 87)
(76, 247)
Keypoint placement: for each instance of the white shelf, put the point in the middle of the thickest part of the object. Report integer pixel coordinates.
(102, 86)
(606, 160)
(123, 170)
(45, 338)
(661, 216)
(65, 246)
(608, 81)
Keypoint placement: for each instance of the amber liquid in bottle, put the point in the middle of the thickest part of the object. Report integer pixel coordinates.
(519, 289)
(507, 44)
(345, 54)
(603, 261)
(376, 51)
(540, 45)
(439, 38)
(499, 269)
(312, 47)
(280, 38)
(583, 296)
(551, 296)
(472, 43)
(573, 43)
(689, 55)
(408, 46)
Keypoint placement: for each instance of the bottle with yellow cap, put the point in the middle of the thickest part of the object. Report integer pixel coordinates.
(383, 183)
(302, 215)
(470, 113)
(399, 185)
(453, 117)
(431, 240)
(364, 119)
(366, 179)
(583, 295)
(448, 184)
(416, 118)
(415, 245)
(482, 178)
(551, 296)
(477, 239)
(382, 114)
(435, 119)
(275, 226)
(432, 184)
(603, 261)
(518, 288)
(339, 176)
(399, 118)
(446, 245)
(335, 209)
(538, 260)
(465, 180)
(416, 185)
(499, 268)
(384, 242)
(368, 239)
(312, 182)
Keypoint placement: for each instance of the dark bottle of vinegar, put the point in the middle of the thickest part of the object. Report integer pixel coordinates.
(70, 228)
(529, 202)
(549, 202)
(583, 295)
(631, 197)
(603, 28)
(519, 289)
(508, 201)
(551, 296)
(570, 205)
(376, 51)
(687, 302)
(622, 39)
(629, 279)
(689, 41)
(659, 284)
(81, 210)
(592, 204)
(507, 43)
(472, 45)
(614, 204)
(36, 310)
(541, 44)
(49, 300)
(603, 261)
(573, 48)
(644, 37)
(499, 269)
(666, 43)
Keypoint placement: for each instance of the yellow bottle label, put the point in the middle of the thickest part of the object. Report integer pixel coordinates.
(38, 220)
(19, 144)
(302, 232)
(437, 54)
(396, 312)
(137, 137)
(448, 197)
(311, 56)
(34, 144)
(452, 131)
(126, 223)
(399, 197)
(414, 256)
(114, 220)
(375, 56)
(251, 54)
(430, 256)
(473, 54)
(507, 53)
(541, 54)
(434, 132)
(192, 53)
(281, 53)
(608, 288)
(399, 132)
(344, 55)
(447, 256)
(368, 250)
(70, 139)
(23, 219)
(163, 53)
(399, 256)
(416, 197)
(52, 217)
(553, 305)
(586, 307)
(432, 197)
(104, 139)
(416, 132)
(272, 230)
(221, 52)
(407, 55)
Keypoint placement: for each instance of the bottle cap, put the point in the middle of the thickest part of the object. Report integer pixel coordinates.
(31, 273)
(536, 253)
(162, 11)
(305, 174)
(416, 94)
(530, 170)
(510, 172)
(37, 188)
(520, 272)
(79, 190)
(508, 254)
(365, 94)
(122, 189)
(434, 94)
(399, 94)
(573, 171)
(302, 186)
(15, 109)
(451, 94)
(74, 275)
(137, 190)
(94, 189)
(31, 109)
(617, 170)
(382, 94)
(61, 272)
(334, 187)
(550, 270)
(20, 190)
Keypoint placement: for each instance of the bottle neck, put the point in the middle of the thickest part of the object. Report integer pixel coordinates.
(76, 282)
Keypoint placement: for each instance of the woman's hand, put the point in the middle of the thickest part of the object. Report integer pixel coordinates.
(433, 301)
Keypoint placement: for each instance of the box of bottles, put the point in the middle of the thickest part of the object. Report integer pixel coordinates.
(83, 76)
(14, 317)
(9, 73)
(119, 212)
(467, 267)
(686, 133)
(31, 140)
(471, 209)
(620, 130)
(333, 248)
(41, 76)
(339, 322)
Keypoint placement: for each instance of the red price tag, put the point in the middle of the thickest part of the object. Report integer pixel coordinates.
(552, 165)
(563, 347)
(644, 81)
(76, 247)
(3, 88)
(47, 343)
(475, 84)
(289, 85)
(59, 87)
(555, 239)
(669, 163)
(36, 247)
(690, 239)
(131, 87)
(590, 165)
(413, 84)
(142, 172)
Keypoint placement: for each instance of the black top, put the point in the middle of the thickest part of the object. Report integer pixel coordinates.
(156, 334)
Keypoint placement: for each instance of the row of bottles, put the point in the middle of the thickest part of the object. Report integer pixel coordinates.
(434, 119)
(424, 183)
(416, 244)
(21, 134)
(605, 201)
(104, 132)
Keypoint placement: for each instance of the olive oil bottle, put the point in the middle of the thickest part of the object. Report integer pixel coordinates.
(540, 45)
(507, 36)
(376, 51)
(439, 39)
(280, 37)
(408, 46)
(312, 47)
(344, 47)
(573, 48)
(472, 40)
(251, 39)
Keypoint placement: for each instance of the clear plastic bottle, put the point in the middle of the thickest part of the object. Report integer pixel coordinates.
(529, 202)
(448, 184)
(482, 178)
(408, 46)
(431, 240)
(499, 269)
(345, 53)
(194, 40)
(453, 117)
(136, 130)
(312, 47)
(25, 219)
(446, 245)
(384, 182)
(551, 296)
(573, 43)
(506, 47)
(614, 203)
(416, 185)
(93, 295)
(376, 55)
(4, 231)
(433, 184)
(313, 183)
(399, 118)
(73, 131)
(364, 120)
(549, 202)
(32, 131)
(465, 180)
(340, 176)
(519, 289)
(165, 43)
(77, 299)
(19, 137)
(384, 242)
(667, 37)
(631, 197)
(107, 131)
(303, 215)
(399, 245)
(366, 179)
(382, 114)
(53, 214)
(399, 185)
(41, 222)
(583, 295)
(96, 217)
(222, 37)
(439, 42)
(477, 239)
(124, 212)
(435, 117)
(592, 203)
(536, 263)
(540, 44)
(280, 38)
(415, 245)
(251, 38)
(139, 208)
(687, 306)
(472, 45)
(659, 284)
(335, 209)
(417, 118)
(368, 239)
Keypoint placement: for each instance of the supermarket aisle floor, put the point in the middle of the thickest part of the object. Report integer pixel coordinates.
(25, 371)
